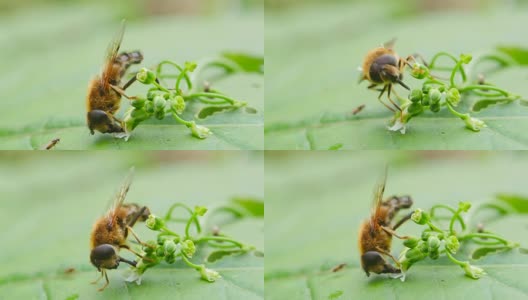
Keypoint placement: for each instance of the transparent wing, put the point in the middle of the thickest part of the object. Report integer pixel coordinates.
(111, 54)
(377, 201)
(120, 196)
(389, 44)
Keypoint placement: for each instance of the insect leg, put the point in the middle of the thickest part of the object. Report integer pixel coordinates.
(136, 217)
(393, 233)
(389, 255)
(403, 220)
(107, 281)
(129, 83)
(388, 96)
(121, 92)
(385, 104)
(137, 254)
(97, 280)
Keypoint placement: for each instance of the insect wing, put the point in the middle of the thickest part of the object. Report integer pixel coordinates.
(111, 55)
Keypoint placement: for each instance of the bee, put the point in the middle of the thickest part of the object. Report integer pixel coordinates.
(375, 233)
(383, 66)
(110, 232)
(104, 92)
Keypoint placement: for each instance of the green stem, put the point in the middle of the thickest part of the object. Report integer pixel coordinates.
(181, 121)
(178, 80)
(168, 62)
(168, 216)
(484, 235)
(160, 87)
(433, 227)
(219, 238)
(483, 87)
(212, 95)
(190, 264)
(205, 101)
(188, 225)
(457, 67)
(456, 113)
(454, 260)
(459, 218)
(452, 222)
(166, 230)
(439, 54)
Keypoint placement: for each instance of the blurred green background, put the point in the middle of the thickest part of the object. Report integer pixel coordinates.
(313, 213)
(49, 202)
(313, 50)
(51, 49)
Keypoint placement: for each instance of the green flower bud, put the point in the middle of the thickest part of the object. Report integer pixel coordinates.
(188, 248)
(155, 223)
(416, 95)
(160, 252)
(426, 100)
(411, 243)
(160, 115)
(170, 258)
(169, 246)
(441, 88)
(177, 104)
(435, 95)
(435, 107)
(149, 107)
(419, 71)
(434, 254)
(423, 247)
(420, 217)
(159, 103)
(433, 243)
(414, 254)
(472, 271)
(146, 76)
(466, 58)
(452, 244)
(190, 66)
(138, 103)
(426, 235)
(153, 92)
(426, 88)
(162, 238)
(139, 114)
(453, 96)
(150, 247)
(464, 206)
(199, 131)
(473, 123)
(415, 109)
(208, 274)
(200, 210)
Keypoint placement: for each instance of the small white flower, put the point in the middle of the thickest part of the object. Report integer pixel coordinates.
(473, 272)
(209, 275)
(398, 126)
(199, 131)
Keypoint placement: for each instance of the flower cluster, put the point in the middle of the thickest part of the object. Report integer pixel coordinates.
(161, 101)
(437, 93)
(171, 247)
(434, 241)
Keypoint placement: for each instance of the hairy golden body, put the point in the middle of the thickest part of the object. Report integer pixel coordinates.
(104, 93)
(375, 233)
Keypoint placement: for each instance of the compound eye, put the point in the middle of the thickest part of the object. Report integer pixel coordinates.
(102, 253)
(371, 258)
(98, 117)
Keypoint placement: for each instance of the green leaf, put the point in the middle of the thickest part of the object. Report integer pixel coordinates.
(518, 54)
(483, 251)
(248, 63)
(219, 254)
(254, 207)
(313, 86)
(485, 103)
(517, 202)
(50, 223)
(209, 110)
(314, 210)
(52, 105)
